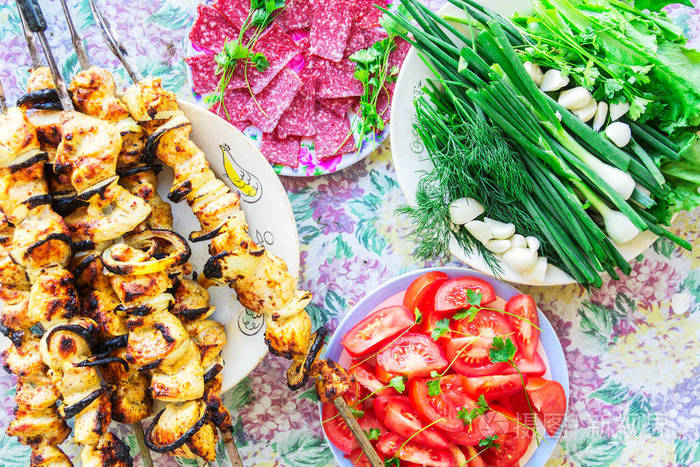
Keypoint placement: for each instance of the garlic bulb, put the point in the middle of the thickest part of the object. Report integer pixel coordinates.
(601, 114)
(535, 72)
(619, 133)
(500, 230)
(618, 110)
(464, 210)
(587, 112)
(553, 80)
(575, 98)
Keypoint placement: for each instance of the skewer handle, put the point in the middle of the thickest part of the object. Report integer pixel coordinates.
(33, 15)
(357, 432)
(141, 440)
(232, 450)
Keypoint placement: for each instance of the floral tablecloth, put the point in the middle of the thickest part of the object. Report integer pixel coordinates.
(632, 347)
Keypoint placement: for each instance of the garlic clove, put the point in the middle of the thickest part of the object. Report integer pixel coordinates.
(518, 241)
(575, 98)
(522, 260)
(538, 274)
(498, 246)
(588, 112)
(553, 80)
(479, 230)
(601, 114)
(618, 110)
(465, 210)
(500, 230)
(619, 133)
(535, 72)
(533, 243)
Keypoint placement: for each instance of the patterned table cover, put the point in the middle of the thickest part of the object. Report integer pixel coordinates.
(632, 347)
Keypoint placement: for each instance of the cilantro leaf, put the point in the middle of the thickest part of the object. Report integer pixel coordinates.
(260, 61)
(391, 462)
(441, 328)
(434, 387)
(489, 442)
(418, 315)
(474, 297)
(357, 413)
(372, 433)
(469, 415)
(470, 313)
(502, 350)
(481, 402)
(398, 383)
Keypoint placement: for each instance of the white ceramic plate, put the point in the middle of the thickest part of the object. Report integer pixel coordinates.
(271, 222)
(411, 159)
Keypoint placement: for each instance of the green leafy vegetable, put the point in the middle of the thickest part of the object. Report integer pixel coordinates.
(434, 384)
(357, 413)
(502, 350)
(398, 383)
(489, 442)
(441, 328)
(373, 434)
(469, 415)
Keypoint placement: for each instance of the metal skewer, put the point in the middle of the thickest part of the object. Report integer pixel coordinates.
(31, 12)
(29, 39)
(3, 103)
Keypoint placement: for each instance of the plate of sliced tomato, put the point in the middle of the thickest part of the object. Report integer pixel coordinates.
(451, 368)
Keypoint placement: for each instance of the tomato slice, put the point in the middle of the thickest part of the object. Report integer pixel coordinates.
(526, 335)
(549, 401)
(533, 367)
(369, 421)
(358, 458)
(478, 334)
(473, 458)
(403, 420)
(377, 328)
(493, 387)
(421, 293)
(513, 441)
(383, 375)
(430, 323)
(452, 295)
(412, 355)
(413, 452)
(432, 408)
(368, 380)
(380, 402)
(337, 430)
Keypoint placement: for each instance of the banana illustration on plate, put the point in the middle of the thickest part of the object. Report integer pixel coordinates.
(248, 184)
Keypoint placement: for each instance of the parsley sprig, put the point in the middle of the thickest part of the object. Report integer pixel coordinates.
(239, 51)
(469, 415)
(434, 388)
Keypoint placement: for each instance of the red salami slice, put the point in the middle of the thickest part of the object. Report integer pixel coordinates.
(295, 120)
(211, 29)
(337, 80)
(367, 15)
(280, 151)
(203, 69)
(333, 134)
(397, 55)
(339, 106)
(362, 38)
(278, 48)
(235, 11)
(330, 28)
(296, 14)
(235, 101)
(266, 109)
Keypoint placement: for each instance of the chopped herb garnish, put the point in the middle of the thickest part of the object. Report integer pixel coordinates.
(373, 434)
(502, 350)
(441, 328)
(489, 442)
(398, 383)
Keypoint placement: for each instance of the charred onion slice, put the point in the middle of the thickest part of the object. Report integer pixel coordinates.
(74, 409)
(212, 372)
(88, 334)
(103, 361)
(28, 159)
(137, 169)
(178, 442)
(179, 254)
(150, 150)
(41, 99)
(106, 347)
(298, 371)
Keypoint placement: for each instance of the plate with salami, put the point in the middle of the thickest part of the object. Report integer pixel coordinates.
(295, 94)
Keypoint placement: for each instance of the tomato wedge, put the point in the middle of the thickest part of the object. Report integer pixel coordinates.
(382, 375)
(452, 295)
(337, 430)
(412, 451)
(478, 334)
(526, 335)
(433, 408)
(412, 355)
(368, 380)
(421, 293)
(549, 401)
(462, 363)
(513, 440)
(380, 403)
(358, 458)
(377, 328)
(403, 420)
(473, 459)
(534, 367)
(369, 421)
(493, 387)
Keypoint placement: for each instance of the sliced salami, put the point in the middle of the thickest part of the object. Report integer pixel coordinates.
(362, 38)
(295, 120)
(235, 11)
(330, 28)
(280, 151)
(203, 69)
(333, 134)
(265, 110)
(211, 29)
(338, 80)
(366, 13)
(397, 55)
(235, 101)
(297, 14)
(339, 106)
